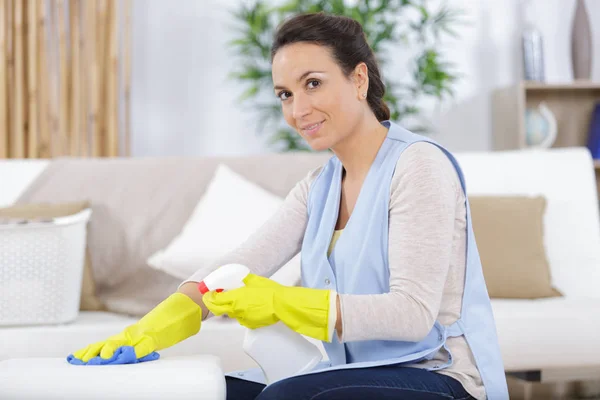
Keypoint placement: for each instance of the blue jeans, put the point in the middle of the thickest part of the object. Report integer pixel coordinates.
(385, 382)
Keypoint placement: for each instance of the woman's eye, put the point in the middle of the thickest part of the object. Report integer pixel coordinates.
(313, 83)
(283, 95)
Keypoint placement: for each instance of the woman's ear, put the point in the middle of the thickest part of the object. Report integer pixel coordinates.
(361, 80)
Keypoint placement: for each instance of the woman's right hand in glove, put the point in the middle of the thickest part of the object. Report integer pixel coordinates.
(172, 321)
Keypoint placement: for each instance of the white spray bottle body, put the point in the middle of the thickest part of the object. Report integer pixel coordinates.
(279, 351)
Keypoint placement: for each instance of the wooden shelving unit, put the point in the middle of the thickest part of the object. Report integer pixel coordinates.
(572, 105)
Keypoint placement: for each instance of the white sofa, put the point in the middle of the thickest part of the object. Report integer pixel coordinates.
(547, 339)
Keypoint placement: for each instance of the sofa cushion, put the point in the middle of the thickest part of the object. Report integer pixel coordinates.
(231, 209)
(88, 300)
(566, 178)
(183, 378)
(533, 334)
(218, 336)
(509, 231)
(557, 332)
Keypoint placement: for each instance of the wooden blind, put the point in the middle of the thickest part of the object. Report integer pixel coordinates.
(64, 78)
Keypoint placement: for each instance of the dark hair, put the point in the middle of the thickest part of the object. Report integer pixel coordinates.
(347, 42)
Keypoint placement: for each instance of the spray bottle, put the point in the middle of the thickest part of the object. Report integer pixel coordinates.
(279, 351)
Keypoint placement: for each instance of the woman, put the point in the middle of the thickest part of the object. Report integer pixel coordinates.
(392, 282)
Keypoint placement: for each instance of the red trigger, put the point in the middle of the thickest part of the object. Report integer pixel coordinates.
(218, 290)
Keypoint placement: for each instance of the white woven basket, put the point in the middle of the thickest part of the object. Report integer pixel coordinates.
(41, 269)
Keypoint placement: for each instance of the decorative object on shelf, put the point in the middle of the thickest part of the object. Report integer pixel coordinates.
(540, 127)
(388, 24)
(581, 43)
(532, 47)
(594, 133)
(533, 55)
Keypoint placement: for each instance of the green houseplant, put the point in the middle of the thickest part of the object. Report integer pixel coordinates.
(388, 24)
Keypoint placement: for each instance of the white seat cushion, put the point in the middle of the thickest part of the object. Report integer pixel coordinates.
(548, 333)
(192, 377)
(219, 336)
(566, 178)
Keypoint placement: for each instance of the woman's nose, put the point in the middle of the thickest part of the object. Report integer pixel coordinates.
(301, 106)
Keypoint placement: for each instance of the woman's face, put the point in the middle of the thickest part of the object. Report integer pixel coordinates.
(317, 99)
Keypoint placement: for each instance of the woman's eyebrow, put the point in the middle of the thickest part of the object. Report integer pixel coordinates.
(304, 75)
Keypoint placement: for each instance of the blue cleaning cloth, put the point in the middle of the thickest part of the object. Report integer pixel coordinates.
(123, 355)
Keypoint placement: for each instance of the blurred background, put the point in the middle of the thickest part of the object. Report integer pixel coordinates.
(155, 77)
(183, 101)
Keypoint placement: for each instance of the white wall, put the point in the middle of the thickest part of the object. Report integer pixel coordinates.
(184, 104)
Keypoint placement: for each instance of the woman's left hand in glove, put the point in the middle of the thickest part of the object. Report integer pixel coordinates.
(263, 302)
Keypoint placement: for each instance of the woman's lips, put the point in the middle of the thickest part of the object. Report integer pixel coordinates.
(312, 129)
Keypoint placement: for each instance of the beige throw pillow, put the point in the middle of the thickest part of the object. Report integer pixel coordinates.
(88, 301)
(509, 231)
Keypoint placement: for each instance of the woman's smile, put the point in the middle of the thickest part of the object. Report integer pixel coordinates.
(311, 129)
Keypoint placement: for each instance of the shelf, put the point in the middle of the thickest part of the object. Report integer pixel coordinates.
(575, 85)
(572, 104)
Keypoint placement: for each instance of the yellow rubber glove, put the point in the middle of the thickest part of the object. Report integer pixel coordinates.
(172, 321)
(263, 302)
